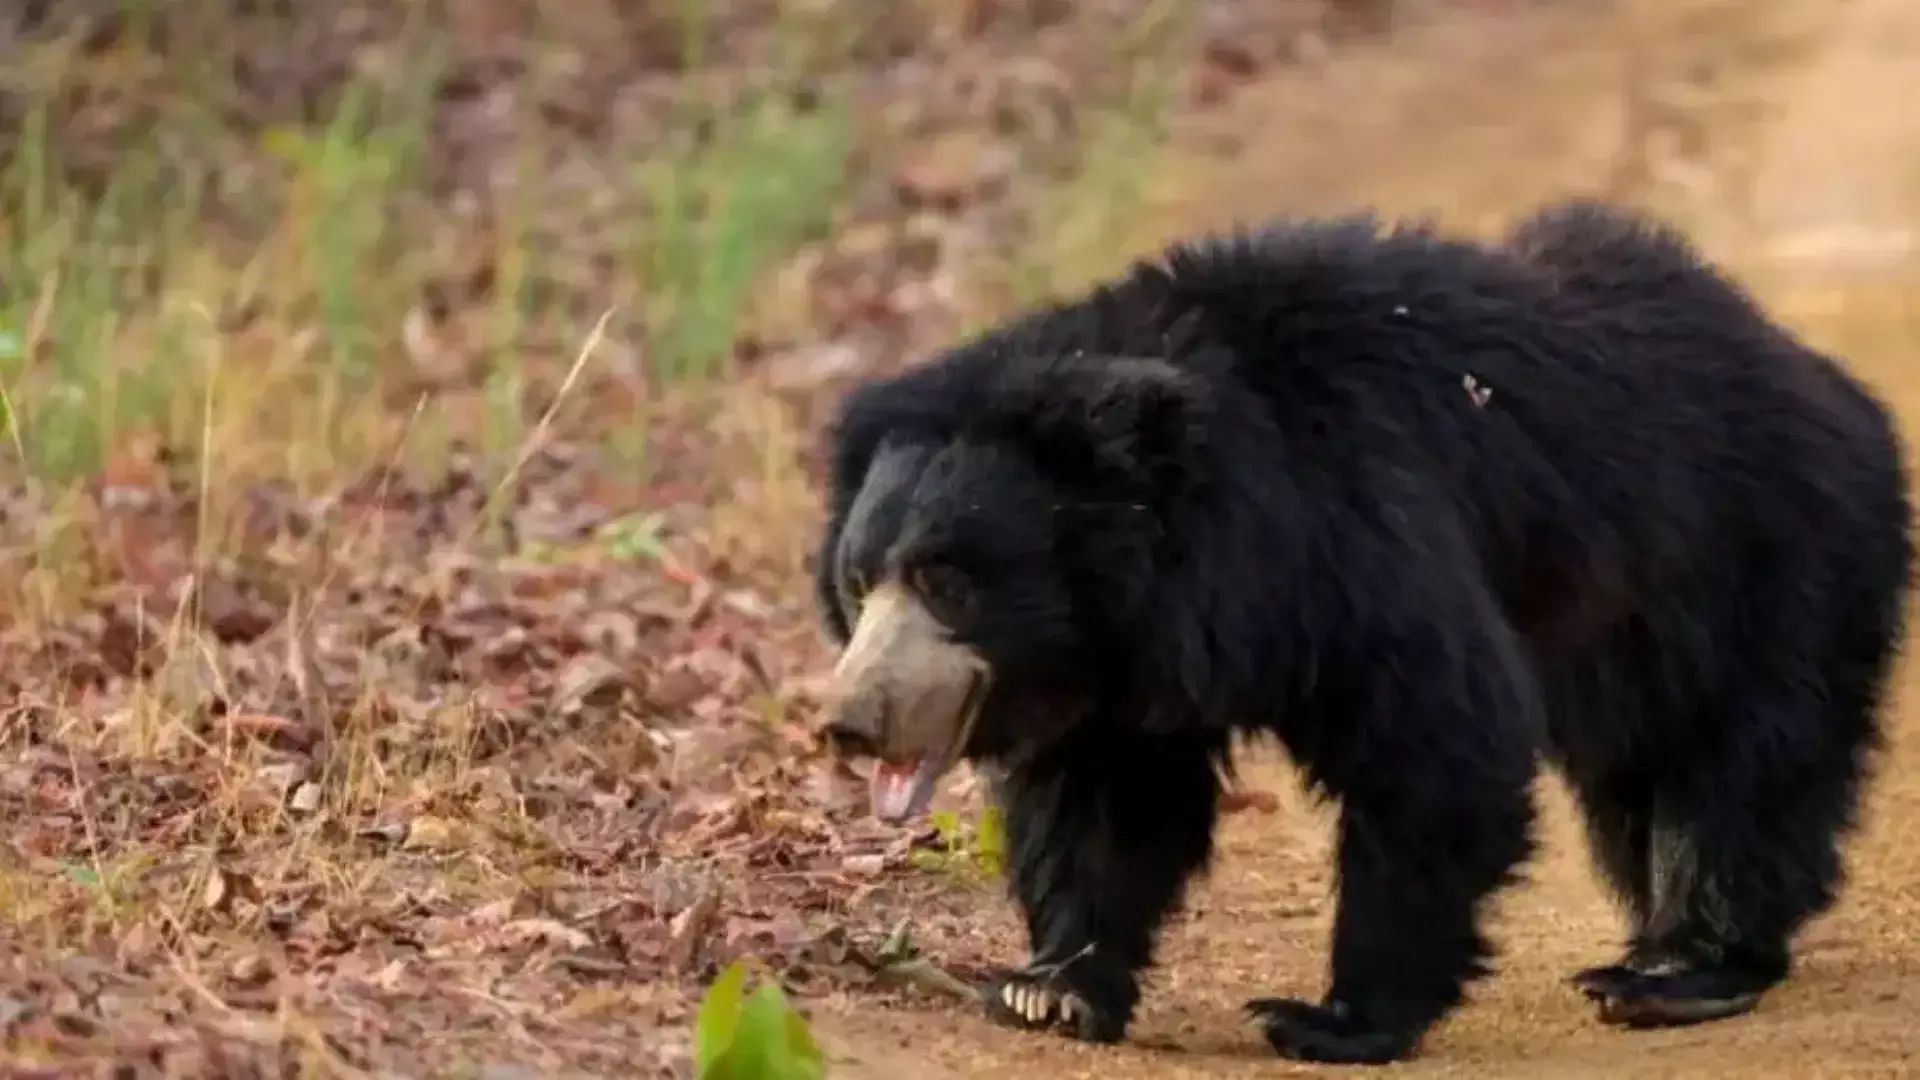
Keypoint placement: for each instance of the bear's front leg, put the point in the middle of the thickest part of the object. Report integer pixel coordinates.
(1426, 733)
(1405, 937)
(1103, 832)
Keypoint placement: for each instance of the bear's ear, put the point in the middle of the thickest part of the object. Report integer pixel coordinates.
(1142, 413)
(1125, 419)
(1138, 396)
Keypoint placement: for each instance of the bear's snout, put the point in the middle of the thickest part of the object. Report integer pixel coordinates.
(857, 725)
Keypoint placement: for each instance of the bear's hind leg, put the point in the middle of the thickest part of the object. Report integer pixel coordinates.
(1619, 818)
(1103, 833)
(1740, 855)
(1618, 813)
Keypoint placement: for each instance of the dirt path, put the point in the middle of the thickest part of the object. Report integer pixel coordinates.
(1474, 121)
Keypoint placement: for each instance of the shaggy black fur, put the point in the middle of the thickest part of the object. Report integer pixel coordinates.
(1426, 511)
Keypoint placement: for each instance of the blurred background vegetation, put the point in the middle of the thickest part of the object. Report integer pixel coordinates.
(426, 204)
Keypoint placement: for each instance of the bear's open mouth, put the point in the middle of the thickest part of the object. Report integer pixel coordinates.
(902, 790)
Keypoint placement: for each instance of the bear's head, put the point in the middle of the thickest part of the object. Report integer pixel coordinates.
(995, 533)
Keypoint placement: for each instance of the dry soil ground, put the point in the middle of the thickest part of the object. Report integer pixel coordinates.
(1802, 187)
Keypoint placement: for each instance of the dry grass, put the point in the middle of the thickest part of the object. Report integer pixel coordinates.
(403, 603)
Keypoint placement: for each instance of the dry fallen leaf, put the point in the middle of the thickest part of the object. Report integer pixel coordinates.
(391, 832)
(549, 930)
(282, 776)
(428, 834)
(305, 798)
(589, 681)
(864, 865)
(671, 691)
(687, 928)
(218, 892)
(493, 914)
(280, 732)
(953, 170)
(251, 969)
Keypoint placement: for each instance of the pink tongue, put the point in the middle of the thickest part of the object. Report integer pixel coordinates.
(893, 790)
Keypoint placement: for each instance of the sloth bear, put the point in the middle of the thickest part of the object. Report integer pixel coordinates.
(1426, 511)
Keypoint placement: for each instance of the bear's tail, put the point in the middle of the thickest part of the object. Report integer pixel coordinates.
(1594, 247)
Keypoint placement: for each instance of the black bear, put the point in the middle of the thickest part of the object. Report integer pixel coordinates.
(1426, 511)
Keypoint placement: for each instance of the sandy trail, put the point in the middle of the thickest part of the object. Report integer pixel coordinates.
(1772, 130)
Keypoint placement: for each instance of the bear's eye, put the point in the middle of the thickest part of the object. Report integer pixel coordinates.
(853, 585)
(946, 590)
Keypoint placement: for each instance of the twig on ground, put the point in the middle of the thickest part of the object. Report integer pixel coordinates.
(899, 960)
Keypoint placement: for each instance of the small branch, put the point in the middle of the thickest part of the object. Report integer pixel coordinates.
(899, 961)
(929, 976)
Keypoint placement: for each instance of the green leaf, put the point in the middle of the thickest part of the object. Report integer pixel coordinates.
(766, 1038)
(715, 1027)
(287, 144)
(635, 536)
(760, 1043)
(947, 824)
(81, 875)
(990, 839)
(922, 859)
(807, 1060)
(899, 944)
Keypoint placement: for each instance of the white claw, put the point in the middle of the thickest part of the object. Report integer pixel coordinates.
(1037, 1004)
